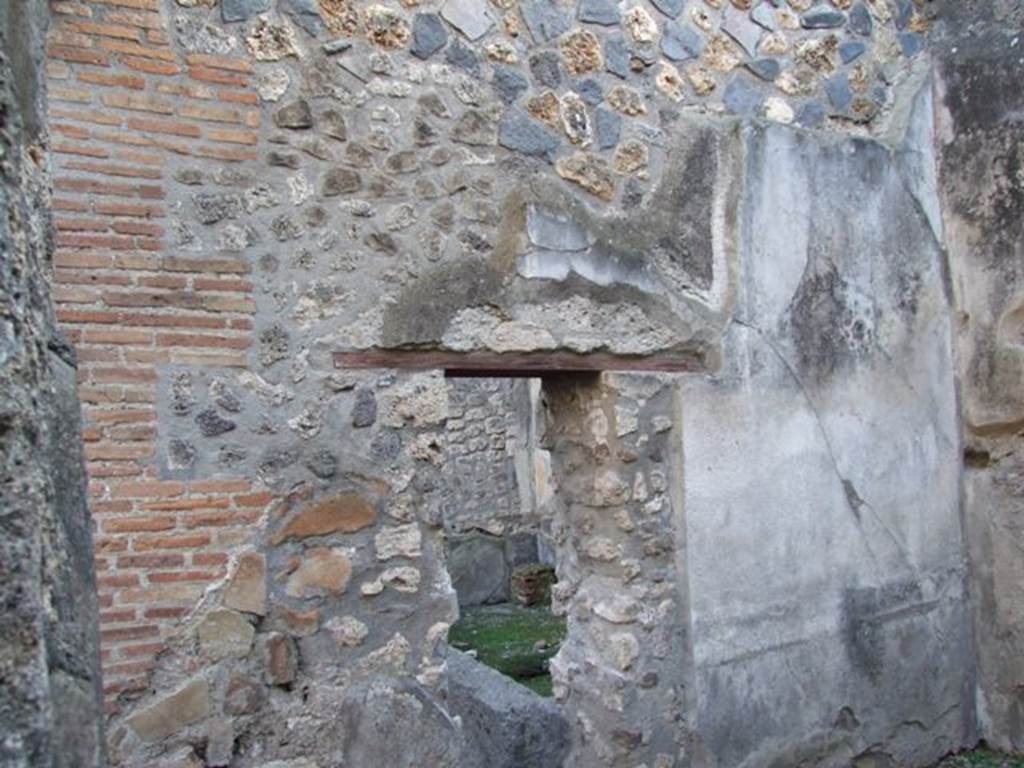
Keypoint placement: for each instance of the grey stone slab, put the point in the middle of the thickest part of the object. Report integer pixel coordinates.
(764, 15)
(739, 27)
(822, 17)
(554, 231)
(305, 13)
(508, 82)
(479, 573)
(429, 35)
(471, 17)
(546, 68)
(545, 19)
(766, 69)
(839, 93)
(241, 10)
(681, 43)
(851, 50)
(861, 22)
(607, 127)
(519, 132)
(616, 56)
(604, 12)
(742, 97)
(506, 724)
(671, 8)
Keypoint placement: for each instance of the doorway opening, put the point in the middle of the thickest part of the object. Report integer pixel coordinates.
(497, 519)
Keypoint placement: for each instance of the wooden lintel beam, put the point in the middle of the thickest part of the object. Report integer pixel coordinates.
(514, 364)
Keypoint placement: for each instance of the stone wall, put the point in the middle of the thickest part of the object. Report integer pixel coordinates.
(982, 182)
(50, 706)
(254, 197)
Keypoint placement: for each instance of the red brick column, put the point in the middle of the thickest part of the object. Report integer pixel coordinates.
(123, 102)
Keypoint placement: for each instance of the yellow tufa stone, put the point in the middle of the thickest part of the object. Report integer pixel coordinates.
(639, 24)
(630, 156)
(386, 28)
(501, 51)
(247, 589)
(546, 107)
(701, 79)
(626, 100)
(581, 51)
(589, 172)
(340, 17)
(668, 81)
(773, 44)
(721, 54)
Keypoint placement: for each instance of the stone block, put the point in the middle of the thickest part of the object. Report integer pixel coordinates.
(170, 714)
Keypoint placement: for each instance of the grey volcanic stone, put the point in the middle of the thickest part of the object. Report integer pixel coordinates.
(680, 43)
(671, 8)
(912, 44)
(742, 97)
(590, 91)
(838, 90)
(240, 10)
(616, 56)
(604, 12)
(546, 69)
(429, 35)
(212, 423)
(607, 127)
(740, 28)
(765, 16)
(396, 722)
(305, 14)
(364, 412)
(518, 132)
(509, 82)
(860, 21)
(766, 69)
(811, 114)
(545, 19)
(506, 724)
(851, 50)
(476, 564)
(461, 56)
(341, 181)
(470, 17)
(822, 17)
(296, 115)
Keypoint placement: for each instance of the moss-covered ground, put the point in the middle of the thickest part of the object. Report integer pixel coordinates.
(516, 641)
(982, 758)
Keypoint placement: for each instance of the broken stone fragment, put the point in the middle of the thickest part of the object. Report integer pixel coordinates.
(247, 589)
(546, 19)
(471, 17)
(322, 571)
(269, 41)
(398, 541)
(590, 172)
(225, 633)
(428, 35)
(348, 631)
(626, 100)
(519, 133)
(170, 714)
(680, 43)
(240, 10)
(344, 512)
(386, 28)
(340, 181)
(823, 17)
(242, 695)
(212, 423)
(296, 115)
(280, 659)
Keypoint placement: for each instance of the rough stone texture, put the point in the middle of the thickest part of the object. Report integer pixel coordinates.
(210, 274)
(50, 687)
(506, 725)
(982, 213)
(863, 575)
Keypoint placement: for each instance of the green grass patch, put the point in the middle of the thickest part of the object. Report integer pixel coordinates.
(516, 641)
(982, 758)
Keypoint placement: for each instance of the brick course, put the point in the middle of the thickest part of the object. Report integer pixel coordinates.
(130, 304)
